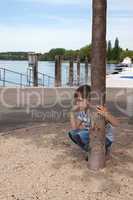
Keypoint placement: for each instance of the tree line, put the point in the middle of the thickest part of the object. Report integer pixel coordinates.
(115, 53)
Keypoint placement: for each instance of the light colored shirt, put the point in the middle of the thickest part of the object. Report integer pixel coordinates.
(84, 118)
(86, 121)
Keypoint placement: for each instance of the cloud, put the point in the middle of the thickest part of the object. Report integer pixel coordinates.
(120, 5)
(112, 4)
(58, 2)
(41, 39)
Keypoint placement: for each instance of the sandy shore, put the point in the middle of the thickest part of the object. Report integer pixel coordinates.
(41, 163)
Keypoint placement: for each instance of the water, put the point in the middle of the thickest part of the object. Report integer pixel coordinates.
(43, 67)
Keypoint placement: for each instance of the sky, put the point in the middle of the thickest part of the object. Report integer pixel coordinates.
(40, 25)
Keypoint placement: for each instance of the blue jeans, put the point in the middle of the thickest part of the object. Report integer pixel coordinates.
(81, 138)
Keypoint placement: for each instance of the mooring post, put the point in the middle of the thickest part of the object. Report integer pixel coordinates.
(57, 71)
(78, 70)
(33, 64)
(71, 72)
(86, 70)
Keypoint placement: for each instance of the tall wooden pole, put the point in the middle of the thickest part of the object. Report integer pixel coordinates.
(71, 72)
(57, 71)
(98, 74)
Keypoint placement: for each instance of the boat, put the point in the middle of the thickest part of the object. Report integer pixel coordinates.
(122, 76)
(127, 62)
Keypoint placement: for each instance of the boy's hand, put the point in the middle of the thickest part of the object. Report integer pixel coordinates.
(102, 110)
(76, 108)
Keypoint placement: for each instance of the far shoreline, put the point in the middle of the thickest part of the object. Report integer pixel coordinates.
(64, 61)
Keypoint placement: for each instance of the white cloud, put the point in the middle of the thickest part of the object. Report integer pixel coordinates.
(41, 39)
(120, 5)
(59, 2)
(112, 4)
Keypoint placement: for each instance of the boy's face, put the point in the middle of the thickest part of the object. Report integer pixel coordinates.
(82, 102)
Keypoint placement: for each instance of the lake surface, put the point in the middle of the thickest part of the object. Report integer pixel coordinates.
(47, 68)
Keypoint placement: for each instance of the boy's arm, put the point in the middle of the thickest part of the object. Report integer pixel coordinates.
(108, 116)
(75, 123)
(113, 120)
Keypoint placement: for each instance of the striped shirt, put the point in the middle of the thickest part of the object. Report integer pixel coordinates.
(84, 118)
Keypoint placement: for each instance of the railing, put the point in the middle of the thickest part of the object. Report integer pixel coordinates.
(44, 80)
(4, 77)
(9, 77)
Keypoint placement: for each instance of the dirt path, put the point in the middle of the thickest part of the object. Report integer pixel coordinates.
(41, 163)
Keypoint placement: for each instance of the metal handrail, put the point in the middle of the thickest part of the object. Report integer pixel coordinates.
(4, 80)
(28, 78)
(51, 77)
(12, 71)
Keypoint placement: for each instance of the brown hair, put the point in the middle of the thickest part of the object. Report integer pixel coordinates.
(84, 90)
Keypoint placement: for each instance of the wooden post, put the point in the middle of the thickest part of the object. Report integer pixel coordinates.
(33, 64)
(78, 71)
(96, 159)
(57, 71)
(71, 72)
(86, 70)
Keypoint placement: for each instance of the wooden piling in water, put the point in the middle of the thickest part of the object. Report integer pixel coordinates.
(78, 71)
(57, 71)
(33, 65)
(71, 72)
(86, 70)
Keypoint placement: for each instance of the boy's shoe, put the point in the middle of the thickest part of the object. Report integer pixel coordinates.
(86, 158)
(87, 154)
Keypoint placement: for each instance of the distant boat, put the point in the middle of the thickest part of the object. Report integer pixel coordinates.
(123, 74)
(127, 62)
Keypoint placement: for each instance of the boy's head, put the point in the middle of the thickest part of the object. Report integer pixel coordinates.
(83, 91)
(82, 96)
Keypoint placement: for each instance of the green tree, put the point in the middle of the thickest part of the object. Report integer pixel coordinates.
(116, 51)
(109, 50)
(85, 52)
(55, 52)
(126, 53)
(69, 54)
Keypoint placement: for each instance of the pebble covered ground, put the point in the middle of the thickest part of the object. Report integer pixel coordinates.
(41, 163)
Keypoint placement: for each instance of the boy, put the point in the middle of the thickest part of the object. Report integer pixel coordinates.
(80, 119)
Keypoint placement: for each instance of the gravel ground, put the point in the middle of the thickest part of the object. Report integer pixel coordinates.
(41, 163)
